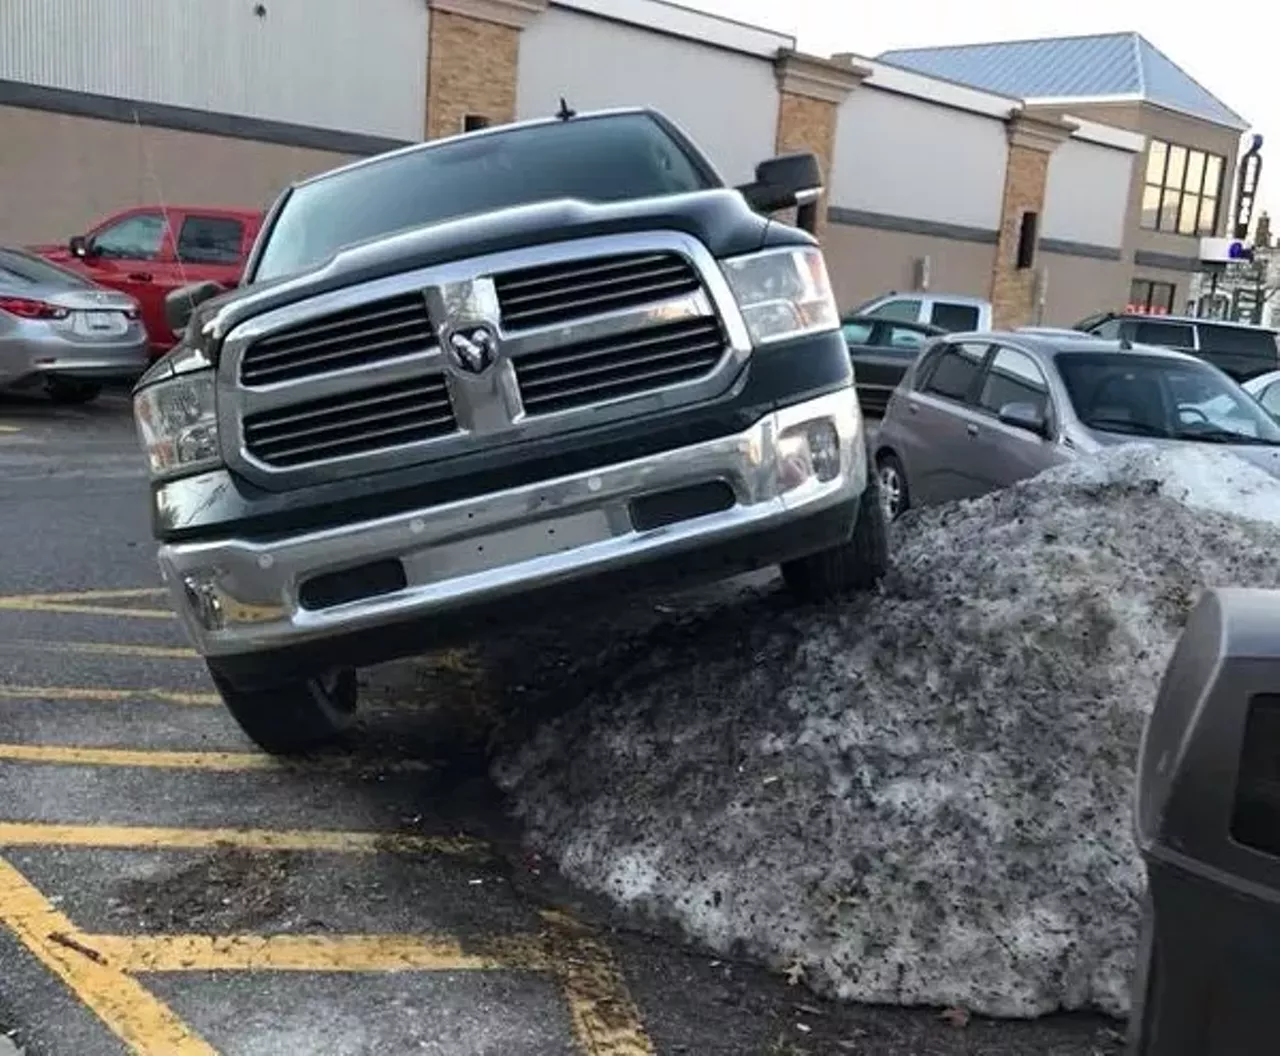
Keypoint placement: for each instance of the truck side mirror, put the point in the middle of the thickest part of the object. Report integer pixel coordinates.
(1208, 827)
(180, 303)
(78, 246)
(785, 181)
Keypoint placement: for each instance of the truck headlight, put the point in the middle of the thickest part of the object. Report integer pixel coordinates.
(178, 424)
(783, 293)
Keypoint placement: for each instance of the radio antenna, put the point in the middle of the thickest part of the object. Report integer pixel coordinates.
(565, 113)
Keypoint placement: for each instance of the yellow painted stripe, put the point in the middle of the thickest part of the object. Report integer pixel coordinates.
(146, 838)
(68, 608)
(148, 652)
(312, 953)
(91, 595)
(224, 762)
(606, 1021)
(96, 694)
(9, 429)
(132, 1013)
(79, 602)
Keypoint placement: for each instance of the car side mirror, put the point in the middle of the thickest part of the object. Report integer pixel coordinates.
(78, 246)
(1207, 822)
(1025, 416)
(180, 303)
(785, 181)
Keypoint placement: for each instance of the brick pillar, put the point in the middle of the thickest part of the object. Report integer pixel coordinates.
(810, 91)
(1031, 142)
(472, 57)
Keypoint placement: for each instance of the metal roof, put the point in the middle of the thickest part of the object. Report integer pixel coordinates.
(1104, 66)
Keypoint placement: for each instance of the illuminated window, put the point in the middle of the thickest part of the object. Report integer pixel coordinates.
(1181, 190)
(1155, 298)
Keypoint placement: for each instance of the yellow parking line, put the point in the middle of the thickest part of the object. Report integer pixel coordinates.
(67, 608)
(221, 762)
(148, 652)
(78, 602)
(128, 1009)
(153, 838)
(606, 1021)
(96, 694)
(90, 595)
(312, 953)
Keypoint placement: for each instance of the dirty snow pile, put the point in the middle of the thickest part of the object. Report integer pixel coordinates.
(921, 797)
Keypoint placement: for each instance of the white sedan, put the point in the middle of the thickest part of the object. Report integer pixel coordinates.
(1265, 388)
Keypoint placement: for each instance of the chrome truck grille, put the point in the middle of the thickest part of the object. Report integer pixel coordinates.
(433, 363)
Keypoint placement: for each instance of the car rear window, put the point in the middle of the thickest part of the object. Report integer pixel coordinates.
(1237, 340)
(954, 317)
(24, 269)
(954, 370)
(1170, 335)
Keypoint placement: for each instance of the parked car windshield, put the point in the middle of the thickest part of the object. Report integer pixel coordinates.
(18, 268)
(1158, 396)
(595, 159)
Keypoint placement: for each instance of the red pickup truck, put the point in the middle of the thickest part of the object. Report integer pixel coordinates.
(149, 250)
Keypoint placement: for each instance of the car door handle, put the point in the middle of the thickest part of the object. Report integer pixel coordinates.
(971, 429)
(140, 276)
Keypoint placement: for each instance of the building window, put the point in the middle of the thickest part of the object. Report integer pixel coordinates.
(1154, 298)
(1182, 189)
(475, 122)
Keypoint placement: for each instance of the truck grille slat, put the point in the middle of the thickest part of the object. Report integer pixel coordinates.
(611, 368)
(614, 388)
(371, 333)
(355, 423)
(565, 292)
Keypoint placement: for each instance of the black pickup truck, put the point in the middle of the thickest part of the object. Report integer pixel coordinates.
(463, 381)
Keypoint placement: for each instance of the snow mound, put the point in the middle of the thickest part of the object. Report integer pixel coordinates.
(921, 797)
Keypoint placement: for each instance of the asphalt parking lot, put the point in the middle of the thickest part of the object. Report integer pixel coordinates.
(165, 889)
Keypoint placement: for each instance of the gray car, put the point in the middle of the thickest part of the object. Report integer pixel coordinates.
(979, 411)
(61, 332)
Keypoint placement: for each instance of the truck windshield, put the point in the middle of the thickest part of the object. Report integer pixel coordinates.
(595, 159)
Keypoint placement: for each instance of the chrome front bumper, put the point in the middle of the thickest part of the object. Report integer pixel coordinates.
(237, 596)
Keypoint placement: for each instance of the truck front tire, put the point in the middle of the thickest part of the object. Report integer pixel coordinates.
(295, 717)
(856, 565)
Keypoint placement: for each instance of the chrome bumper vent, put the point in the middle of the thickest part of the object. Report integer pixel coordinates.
(561, 293)
(352, 424)
(368, 334)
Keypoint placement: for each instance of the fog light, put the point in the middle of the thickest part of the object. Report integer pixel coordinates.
(824, 448)
(202, 597)
(809, 450)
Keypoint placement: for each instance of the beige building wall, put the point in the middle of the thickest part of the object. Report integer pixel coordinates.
(866, 261)
(1157, 255)
(59, 173)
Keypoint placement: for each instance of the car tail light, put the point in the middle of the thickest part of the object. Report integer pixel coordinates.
(25, 308)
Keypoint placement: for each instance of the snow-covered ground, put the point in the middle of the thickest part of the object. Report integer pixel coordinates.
(921, 797)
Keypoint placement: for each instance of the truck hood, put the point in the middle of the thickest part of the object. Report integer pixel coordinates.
(720, 219)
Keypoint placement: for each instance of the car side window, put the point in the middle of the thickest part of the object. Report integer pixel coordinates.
(954, 317)
(857, 333)
(1270, 399)
(210, 240)
(1014, 377)
(905, 311)
(903, 337)
(954, 370)
(1108, 330)
(136, 237)
(1170, 335)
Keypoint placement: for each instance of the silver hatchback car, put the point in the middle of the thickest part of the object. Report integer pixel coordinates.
(61, 332)
(979, 411)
